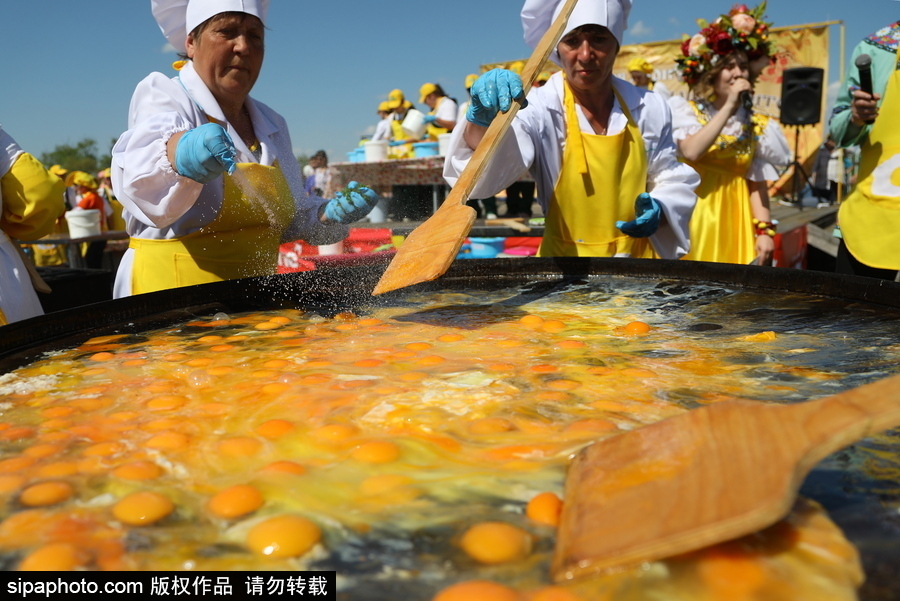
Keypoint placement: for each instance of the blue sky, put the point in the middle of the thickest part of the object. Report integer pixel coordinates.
(69, 68)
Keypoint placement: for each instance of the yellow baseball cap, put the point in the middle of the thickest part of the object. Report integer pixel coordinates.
(544, 76)
(425, 90)
(395, 99)
(80, 178)
(639, 63)
(385, 107)
(470, 80)
(517, 67)
(58, 170)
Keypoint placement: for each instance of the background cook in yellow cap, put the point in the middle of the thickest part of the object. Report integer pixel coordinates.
(189, 221)
(383, 127)
(401, 147)
(640, 70)
(442, 117)
(614, 180)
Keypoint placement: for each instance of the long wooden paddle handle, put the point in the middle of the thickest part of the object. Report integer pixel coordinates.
(490, 141)
(833, 423)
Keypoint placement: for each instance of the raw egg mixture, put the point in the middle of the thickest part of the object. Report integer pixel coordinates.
(418, 450)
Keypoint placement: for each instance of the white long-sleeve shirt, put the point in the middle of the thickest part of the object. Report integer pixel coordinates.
(160, 204)
(382, 130)
(537, 137)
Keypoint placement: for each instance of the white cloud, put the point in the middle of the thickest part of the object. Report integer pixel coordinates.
(640, 30)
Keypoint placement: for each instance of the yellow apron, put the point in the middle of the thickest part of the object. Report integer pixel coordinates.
(870, 216)
(432, 130)
(403, 151)
(600, 178)
(242, 241)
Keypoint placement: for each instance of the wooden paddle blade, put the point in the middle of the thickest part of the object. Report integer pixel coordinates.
(684, 483)
(429, 250)
(707, 476)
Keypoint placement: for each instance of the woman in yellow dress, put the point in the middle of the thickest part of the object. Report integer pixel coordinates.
(735, 150)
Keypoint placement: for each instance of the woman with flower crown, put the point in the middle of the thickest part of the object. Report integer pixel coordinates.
(734, 150)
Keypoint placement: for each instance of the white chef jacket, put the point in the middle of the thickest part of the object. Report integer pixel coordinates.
(383, 130)
(160, 204)
(537, 137)
(446, 109)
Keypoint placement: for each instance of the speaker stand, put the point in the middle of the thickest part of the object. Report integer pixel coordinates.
(798, 172)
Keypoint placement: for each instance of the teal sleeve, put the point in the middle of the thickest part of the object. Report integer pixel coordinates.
(842, 130)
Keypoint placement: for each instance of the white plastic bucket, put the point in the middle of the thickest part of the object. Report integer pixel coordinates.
(414, 124)
(83, 223)
(332, 249)
(443, 144)
(376, 151)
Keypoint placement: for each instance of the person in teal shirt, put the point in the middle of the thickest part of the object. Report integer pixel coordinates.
(869, 218)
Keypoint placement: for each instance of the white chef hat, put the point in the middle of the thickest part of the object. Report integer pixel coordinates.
(177, 18)
(538, 16)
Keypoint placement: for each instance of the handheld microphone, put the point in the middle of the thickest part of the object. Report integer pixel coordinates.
(747, 100)
(864, 66)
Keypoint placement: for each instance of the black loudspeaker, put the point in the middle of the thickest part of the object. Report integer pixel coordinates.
(801, 96)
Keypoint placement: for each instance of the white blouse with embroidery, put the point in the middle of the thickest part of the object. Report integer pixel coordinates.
(772, 149)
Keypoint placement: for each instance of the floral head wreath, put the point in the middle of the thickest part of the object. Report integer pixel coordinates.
(741, 29)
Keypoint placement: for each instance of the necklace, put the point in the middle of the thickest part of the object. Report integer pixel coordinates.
(251, 141)
(742, 144)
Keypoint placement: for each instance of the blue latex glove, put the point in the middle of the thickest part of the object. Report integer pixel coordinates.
(204, 153)
(353, 207)
(493, 92)
(430, 118)
(649, 212)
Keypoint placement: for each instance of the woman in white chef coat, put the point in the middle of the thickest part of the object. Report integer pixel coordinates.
(206, 174)
(31, 200)
(600, 149)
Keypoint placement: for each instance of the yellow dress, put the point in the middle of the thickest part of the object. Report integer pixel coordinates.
(722, 228)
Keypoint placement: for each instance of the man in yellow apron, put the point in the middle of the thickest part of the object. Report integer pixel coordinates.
(600, 149)
(869, 218)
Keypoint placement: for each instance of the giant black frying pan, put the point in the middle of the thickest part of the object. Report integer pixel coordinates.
(863, 313)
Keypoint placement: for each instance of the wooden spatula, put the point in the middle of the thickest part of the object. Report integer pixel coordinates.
(703, 477)
(431, 248)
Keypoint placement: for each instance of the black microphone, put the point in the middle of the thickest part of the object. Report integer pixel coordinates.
(747, 100)
(864, 66)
